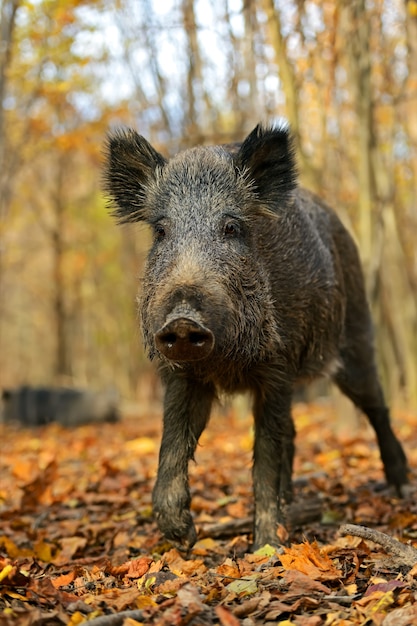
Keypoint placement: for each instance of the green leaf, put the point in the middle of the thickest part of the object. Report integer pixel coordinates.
(266, 550)
(244, 586)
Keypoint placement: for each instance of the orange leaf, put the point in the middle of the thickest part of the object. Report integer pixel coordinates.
(64, 580)
(180, 566)
(229, 569)
(139, 567)
(226, 617)
(308, 559)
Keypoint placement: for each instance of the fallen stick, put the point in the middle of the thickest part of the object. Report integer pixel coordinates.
(296, 514)
(406, 553)
(116, 619)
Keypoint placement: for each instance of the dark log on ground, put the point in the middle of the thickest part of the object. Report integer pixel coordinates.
(297, 514)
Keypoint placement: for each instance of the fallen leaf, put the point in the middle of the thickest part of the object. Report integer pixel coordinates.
(141, 445)
(44, 551)
(266, 550)
(308, 559)
(244, 586)
(190, 601)
(228, 569)
(301, 584)
(39, 489)
(69, 547)
(404, 616)
(388, 585)
(99, 528)
(7, 569)
(64, 580)
(226, 617)
(139, 567)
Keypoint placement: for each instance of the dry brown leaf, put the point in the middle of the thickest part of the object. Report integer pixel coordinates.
(226, 617)
(69, 547)
(104, 543)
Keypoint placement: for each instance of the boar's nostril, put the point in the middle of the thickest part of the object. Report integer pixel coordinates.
(169, 339)
(198, 339)
(184, 339)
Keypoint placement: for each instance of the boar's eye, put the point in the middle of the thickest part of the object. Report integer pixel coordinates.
(232, 228)
(159, 231)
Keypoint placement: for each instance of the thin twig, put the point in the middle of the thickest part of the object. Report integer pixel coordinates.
(406, 553)
(117, 619)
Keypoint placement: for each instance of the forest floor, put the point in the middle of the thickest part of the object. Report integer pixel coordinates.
(78, 542)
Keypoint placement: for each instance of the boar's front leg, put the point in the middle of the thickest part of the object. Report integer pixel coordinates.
(187, 407)
(272, 463)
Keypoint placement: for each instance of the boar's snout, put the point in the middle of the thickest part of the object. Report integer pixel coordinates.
(184, 339)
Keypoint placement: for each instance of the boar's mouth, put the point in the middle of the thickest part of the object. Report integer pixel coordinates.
(184, 339)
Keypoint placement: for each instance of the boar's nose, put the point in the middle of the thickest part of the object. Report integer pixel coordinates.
(184, 339)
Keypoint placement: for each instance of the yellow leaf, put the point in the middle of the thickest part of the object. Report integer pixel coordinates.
(43, 551)
(145, 602)
(16, 596)
(5, 572)
(384, 602)
(12, 550)
(204, 546)
(351, 589)
(266, 550)
(142, 445)
(76, 618)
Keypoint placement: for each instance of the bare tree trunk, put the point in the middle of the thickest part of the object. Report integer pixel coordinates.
(411, 85)
(62, 357)
(250, 62)
(355, 25)
(409, 222)
(198, 123)
(238, 119)
(7, 24)
(156, 70)
(289, 86)
(379, 229)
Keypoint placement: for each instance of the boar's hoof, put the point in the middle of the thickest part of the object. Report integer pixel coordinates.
(183, 339)
(182, 540)
(184, 544)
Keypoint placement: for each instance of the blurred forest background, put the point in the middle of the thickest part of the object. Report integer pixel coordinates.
(343, 72)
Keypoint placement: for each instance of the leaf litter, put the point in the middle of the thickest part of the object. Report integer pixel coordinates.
(78, 543)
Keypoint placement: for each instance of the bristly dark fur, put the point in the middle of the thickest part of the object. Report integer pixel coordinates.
(268, 154)
(131, 166)
(251, 283)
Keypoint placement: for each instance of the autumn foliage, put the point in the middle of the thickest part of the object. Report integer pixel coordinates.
(77, 538)
(78, 542)
(183, 73)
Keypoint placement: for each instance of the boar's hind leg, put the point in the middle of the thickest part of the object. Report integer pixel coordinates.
(358, 380)
(187, 407)
(272, 463)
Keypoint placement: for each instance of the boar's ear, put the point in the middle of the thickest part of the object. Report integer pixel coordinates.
(267, 155)
(131, 164)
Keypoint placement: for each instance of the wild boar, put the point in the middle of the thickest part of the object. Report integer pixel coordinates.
(251, 283)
